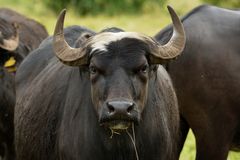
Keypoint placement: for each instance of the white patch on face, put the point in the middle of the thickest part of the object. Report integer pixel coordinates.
(100, 41)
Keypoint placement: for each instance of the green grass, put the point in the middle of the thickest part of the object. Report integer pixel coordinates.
(149, 22)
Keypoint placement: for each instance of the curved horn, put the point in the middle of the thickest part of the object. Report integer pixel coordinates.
(12, 43)
(175, 45)
(65, 53)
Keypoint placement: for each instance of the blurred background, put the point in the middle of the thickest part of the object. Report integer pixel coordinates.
(145, 16)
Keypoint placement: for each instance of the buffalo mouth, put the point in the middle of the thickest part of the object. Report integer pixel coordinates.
(117, 125)
(119, 121)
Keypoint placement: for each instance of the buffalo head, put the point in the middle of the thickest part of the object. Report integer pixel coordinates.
(120, 65)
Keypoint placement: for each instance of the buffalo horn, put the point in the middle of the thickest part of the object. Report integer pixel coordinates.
(65, 53)
(175, 45)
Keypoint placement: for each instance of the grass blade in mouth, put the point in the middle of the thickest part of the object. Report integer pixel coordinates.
(133, 140)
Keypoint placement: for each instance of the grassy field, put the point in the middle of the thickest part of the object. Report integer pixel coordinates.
(148, 22)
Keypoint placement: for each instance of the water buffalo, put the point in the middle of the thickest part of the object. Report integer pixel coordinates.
(18, 36)
(207, 80)
(98, 96)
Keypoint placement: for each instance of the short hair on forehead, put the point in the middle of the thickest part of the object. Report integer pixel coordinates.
(100, 41)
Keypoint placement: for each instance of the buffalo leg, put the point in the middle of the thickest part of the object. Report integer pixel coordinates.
(184, 128)
(214, 142)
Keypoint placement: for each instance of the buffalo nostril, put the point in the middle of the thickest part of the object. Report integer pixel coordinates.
(110, 108)
(120, 107)
(130, 107)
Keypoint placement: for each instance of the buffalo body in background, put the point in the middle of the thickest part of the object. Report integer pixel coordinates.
(18, 36)
(207, 80)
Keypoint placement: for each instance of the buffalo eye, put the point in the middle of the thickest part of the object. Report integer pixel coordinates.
(144, 68)
(92, 70)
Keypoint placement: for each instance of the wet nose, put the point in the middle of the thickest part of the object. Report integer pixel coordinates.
(119, 111)
(120, 107)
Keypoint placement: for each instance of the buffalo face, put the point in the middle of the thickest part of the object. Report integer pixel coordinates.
(119, 74)
(120, 66)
